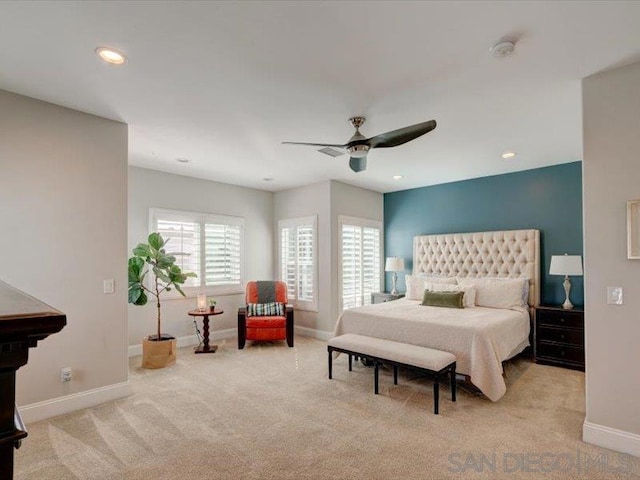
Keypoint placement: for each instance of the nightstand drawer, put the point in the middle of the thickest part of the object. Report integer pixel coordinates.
(560, 352)
(561, 335)
(559, 318)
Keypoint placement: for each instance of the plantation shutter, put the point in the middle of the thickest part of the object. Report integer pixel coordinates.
(208, 245)
(182, 238)
(305, 263)
(351, 267)
(298, 262)
(222, 254)
(371, 261)
(288, 260)
(361, 264)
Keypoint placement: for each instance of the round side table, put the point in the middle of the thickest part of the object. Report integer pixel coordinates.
(205, 348)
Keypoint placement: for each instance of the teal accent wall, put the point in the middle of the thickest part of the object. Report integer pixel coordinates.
(548, 199)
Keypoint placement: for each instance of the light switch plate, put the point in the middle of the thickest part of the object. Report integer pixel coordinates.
(108, 285)
(614, 295)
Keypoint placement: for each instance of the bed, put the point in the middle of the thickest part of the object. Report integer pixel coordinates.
(480, 337)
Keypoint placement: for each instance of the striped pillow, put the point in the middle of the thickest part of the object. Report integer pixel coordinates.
(273, 309)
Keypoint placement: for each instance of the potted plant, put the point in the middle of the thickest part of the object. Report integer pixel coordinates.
(212, 305)
(158, 350)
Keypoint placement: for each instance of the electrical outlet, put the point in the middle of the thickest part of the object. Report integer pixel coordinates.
(65, 375)
(108, 286)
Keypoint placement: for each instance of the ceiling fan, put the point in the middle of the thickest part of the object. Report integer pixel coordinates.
(358, 146)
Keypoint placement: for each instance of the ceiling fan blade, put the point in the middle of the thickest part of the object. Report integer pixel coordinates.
(400, 136)
(315, 144)
(332, 152)
(358, 164)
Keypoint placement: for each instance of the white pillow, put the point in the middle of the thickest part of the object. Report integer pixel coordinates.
(437, 278)
(496, 293)
(415, 287)
(469, 290)
(524, 282)
(416, 284)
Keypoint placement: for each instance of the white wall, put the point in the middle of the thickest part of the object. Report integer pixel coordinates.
(327, 200)
(611, 115)
(149, 188)
(63, 194)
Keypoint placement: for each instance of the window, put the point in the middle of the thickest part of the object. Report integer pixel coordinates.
(209, 245)
(298, 261)
(360, 259)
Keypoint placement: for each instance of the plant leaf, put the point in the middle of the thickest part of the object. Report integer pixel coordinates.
(142, 250)
(134, 293)
(142, 300)
(179, 289)
(161, 275)
(156, 241)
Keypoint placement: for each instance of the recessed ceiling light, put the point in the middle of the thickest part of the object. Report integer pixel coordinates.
(183, 160)
(397, 177)
(502, 49)
(507, 155)
(268, 179)
(110, 55)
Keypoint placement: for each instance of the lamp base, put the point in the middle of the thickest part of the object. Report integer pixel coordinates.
(567, 305)
(394, 280)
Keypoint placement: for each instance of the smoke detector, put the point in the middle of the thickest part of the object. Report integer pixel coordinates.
(502, 49)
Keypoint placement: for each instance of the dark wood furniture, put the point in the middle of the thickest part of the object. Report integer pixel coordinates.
(381, 297)
(559, 337)
(23, 322)
(205, 348)
(436, 373)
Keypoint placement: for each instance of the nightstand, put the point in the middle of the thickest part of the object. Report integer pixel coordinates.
(558, 337)
(381, 297)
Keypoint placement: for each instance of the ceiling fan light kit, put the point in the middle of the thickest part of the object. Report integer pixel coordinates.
(358, 145)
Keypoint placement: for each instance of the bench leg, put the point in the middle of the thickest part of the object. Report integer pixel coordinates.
(330, 363)
(376, 369)
(452, 372)
(395, 374)
(436, 395)
(350, 363)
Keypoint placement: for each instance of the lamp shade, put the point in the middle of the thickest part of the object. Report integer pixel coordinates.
(394, 264)
(565, 265)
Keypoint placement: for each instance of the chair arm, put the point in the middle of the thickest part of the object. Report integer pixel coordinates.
(289, 315)
(242, 327)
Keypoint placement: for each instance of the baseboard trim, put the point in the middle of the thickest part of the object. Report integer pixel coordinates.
(35, 412)
(189, 340)
(611, 438)
(312, 332)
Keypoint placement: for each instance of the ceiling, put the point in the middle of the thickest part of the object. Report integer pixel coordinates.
(223, 84)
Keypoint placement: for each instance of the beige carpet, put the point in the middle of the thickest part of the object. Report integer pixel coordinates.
(269, 412)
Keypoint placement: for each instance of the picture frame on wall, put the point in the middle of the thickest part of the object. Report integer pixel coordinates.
(633, 230)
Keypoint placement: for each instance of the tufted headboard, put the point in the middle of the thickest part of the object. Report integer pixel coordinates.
(509, 253)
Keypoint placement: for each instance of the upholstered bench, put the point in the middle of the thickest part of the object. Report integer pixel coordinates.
(435, 363)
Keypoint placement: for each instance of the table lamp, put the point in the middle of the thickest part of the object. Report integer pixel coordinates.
(566, 265)
(394, 264)
(202, 302)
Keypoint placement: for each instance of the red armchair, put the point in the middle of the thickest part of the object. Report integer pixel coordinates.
(268, 327)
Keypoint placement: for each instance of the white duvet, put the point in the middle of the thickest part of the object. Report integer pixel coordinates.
(480, 338)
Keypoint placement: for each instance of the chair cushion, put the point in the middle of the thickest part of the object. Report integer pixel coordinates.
(252, 295)
(266, 334)
(266, 322)
(272, 309)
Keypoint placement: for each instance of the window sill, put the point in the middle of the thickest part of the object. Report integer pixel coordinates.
(306, 308)
(191, 294)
